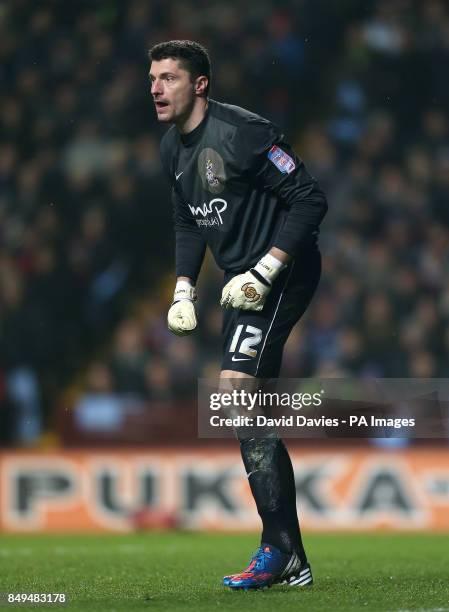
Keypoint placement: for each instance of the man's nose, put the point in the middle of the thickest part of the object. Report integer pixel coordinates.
(156, 87)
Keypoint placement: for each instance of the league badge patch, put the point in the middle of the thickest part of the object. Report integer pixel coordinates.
(281, 160)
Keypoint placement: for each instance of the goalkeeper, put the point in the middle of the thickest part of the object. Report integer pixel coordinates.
(240, 189)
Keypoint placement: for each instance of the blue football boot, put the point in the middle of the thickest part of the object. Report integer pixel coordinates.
(270, 566)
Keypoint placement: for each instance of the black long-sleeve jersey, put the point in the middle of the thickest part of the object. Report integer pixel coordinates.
(239, 188)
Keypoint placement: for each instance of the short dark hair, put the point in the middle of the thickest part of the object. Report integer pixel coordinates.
(192, 57)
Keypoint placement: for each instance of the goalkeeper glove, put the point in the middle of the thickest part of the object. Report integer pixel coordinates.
(181, 317)
(249, 291)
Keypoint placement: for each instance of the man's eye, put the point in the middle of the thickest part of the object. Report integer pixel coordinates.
(170, 78)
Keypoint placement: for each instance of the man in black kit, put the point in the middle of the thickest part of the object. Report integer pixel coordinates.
(240, 189)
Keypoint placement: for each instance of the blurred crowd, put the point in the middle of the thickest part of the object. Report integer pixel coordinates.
(86, 247)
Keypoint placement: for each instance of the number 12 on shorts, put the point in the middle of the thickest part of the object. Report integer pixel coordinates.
(254, 338)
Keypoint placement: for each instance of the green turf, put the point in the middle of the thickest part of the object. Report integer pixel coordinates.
(182, 571)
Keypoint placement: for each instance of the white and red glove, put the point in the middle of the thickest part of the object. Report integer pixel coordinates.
(249, 291)
(181, 317)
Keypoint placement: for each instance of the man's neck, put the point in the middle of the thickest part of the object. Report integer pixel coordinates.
(194, 118)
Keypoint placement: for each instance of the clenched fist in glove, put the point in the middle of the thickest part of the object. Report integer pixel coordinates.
(181, 317)
(249, 291)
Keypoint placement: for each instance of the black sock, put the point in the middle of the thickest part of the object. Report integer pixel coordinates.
(270, 474)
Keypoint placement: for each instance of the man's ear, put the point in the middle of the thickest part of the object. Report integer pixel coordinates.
(200, 85)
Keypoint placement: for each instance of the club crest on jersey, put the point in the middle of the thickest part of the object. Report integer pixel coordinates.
(281, 160)
(211, 170)
(210, 176)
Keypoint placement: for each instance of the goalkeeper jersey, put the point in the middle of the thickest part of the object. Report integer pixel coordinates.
(239, 188)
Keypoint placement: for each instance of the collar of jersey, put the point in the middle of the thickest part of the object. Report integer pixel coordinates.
(192, 137)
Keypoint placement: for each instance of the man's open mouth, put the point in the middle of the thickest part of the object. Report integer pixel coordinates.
(161, 104)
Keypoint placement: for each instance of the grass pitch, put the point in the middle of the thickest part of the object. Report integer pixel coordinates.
(182, 571)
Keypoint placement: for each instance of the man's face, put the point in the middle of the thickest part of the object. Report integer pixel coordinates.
(172, 90)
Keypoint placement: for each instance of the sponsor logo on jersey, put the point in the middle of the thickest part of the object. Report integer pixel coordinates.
(210, 212)
(281, 160)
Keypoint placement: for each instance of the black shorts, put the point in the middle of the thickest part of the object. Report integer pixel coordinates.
(253, 342)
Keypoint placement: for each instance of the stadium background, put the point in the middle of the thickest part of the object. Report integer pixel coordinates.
(97, 398)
